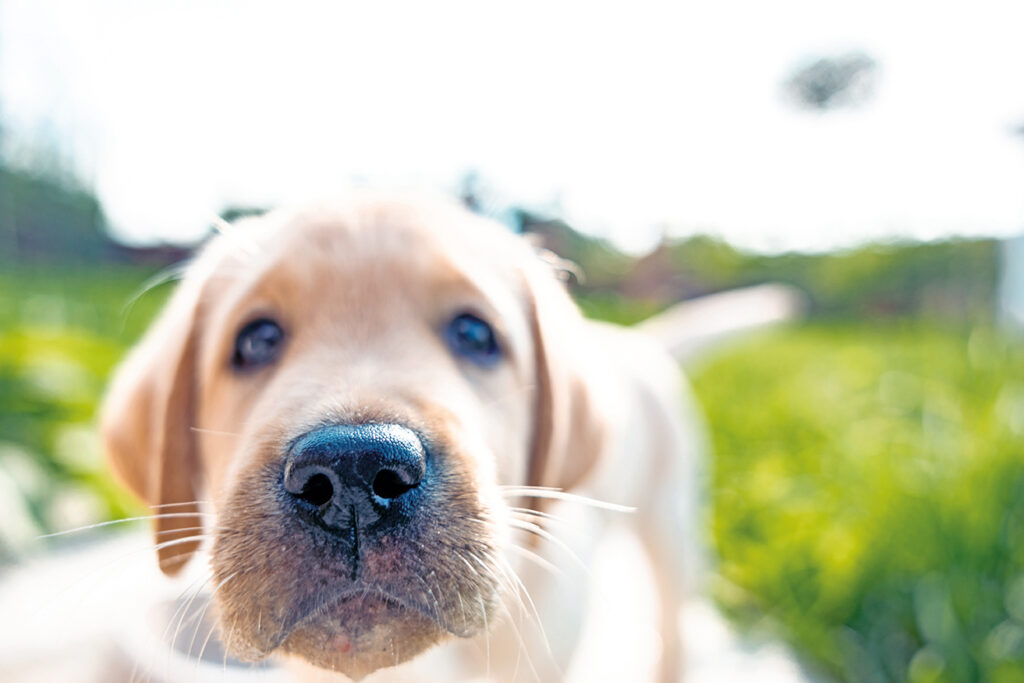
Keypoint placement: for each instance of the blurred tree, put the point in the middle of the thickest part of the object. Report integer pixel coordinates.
(42, 219)
(847, 80)
(954, 280)
(233, 212)
(470, 191)
(45, 214)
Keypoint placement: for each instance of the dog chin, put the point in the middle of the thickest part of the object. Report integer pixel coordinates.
(362, 634)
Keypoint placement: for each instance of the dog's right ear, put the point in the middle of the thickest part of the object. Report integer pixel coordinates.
(146, 426)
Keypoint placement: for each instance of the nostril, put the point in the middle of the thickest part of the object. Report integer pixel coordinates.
(389, 484)
(341, 473)
(317, 490)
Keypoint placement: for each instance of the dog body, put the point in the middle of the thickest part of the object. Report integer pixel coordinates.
(371, 412)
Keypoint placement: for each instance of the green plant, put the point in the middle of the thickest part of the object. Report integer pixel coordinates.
(868, 492)
(61, 332)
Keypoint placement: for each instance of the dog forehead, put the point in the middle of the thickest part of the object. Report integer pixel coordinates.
(377, 228)
(372, 242)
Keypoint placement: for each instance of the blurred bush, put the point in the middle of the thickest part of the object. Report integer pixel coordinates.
(950, 280)
(868, 495)
(48, 217)
(62, 329)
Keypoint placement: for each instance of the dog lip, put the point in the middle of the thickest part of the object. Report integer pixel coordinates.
(363, 592)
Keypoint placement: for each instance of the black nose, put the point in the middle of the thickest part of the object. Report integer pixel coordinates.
(353, 475)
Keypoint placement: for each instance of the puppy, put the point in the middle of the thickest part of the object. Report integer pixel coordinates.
(365, 407)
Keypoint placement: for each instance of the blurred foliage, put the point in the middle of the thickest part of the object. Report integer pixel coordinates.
(615, 309)
(953, 280)
(846, 80)
(868, 495)
(43, 218)
(61, 332)
(947, 280)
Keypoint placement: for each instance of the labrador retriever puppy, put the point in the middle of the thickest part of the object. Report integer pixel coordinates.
(376, 411)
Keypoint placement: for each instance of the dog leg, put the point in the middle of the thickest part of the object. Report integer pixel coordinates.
(668, 523)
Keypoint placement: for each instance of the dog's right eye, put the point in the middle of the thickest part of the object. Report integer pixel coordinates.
(257, 344)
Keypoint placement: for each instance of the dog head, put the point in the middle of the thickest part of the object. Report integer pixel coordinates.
(350, 388)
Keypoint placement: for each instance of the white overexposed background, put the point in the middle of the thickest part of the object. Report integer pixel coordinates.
(630, 119)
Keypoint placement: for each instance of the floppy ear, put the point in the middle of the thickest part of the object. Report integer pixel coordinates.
(146, 426)
(569, 431)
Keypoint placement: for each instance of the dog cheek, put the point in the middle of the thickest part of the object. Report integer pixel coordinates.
(255, 570)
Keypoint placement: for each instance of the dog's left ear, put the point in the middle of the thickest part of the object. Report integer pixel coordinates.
(146, 426)
(569, 429)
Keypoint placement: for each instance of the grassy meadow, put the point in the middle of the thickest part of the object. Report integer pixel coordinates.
(868, 497)
(867, 480)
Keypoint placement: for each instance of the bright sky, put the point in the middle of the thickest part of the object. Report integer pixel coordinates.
(633, 117)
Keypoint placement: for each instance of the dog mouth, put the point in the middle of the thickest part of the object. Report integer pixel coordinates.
(355, 629)
(363, 629)
(355, 608)
(354, 617)
(355, 596)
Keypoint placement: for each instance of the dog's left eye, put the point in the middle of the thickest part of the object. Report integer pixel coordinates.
(258, 343)
(473, 339)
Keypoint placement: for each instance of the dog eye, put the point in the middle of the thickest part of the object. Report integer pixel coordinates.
(472, 338)
(258, 343)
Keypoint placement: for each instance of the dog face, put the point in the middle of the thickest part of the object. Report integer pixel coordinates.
(350, 388)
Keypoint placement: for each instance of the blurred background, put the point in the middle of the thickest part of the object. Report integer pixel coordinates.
(867, 476)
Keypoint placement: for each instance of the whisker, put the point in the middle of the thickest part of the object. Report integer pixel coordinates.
(166, 515)
(175, 271)
(181, 541)
(195, 587)
(516, 630)
(206, 641)
(541, 522)
(511, 589)
(215, 432)
(430, 591)
(231, 634)
(462, 608)
(105, 567)
(173, 559)
(539, 514)
(164, 532)
(182, 504)
(536, 616)
(245, 244)
(536, 558)
(487, 569)
(185, 610)
(558, 494)
(202, 616)
(551, 538)
(487, 636)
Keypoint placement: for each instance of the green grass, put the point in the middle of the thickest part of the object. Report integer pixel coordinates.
(616, 309)
(61, 332)
(868, 493)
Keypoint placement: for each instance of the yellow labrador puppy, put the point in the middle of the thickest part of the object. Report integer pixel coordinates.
(365, 406)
